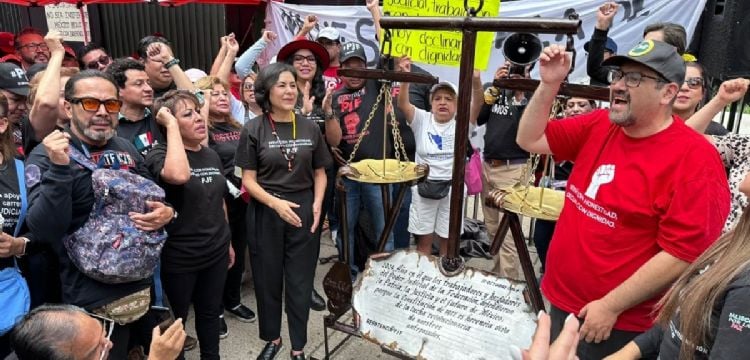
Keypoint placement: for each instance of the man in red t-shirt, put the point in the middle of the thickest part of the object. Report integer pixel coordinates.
(646, 197)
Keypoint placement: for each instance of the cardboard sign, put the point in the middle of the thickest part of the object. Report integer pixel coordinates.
(438, 47)
(407, 304)
(66, 19)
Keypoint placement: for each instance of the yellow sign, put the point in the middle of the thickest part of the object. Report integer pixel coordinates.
(438, 47)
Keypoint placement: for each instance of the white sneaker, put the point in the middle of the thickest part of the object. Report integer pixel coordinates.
(334, 234)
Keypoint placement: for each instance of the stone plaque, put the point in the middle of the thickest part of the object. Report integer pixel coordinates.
(407, 304)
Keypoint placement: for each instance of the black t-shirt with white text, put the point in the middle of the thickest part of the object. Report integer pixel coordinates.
(200, 235)
(259, 150)
(224, 139)
(500, 134)
(352, 108)
(11, 202)
(144, 134)
(728, 333)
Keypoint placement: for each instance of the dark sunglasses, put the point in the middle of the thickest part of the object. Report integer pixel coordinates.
(103, 60)
(694, 82)
(92, 104)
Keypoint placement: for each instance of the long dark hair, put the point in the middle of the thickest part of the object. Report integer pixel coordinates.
(7, 146)
(317, 85)
(694, 295)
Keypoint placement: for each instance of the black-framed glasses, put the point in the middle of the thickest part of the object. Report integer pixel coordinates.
(35, 46)
(299, 58)
(103, 60)
(108, 326)
(632, 78)
(694, 83)
(248, 86)
(92, 104)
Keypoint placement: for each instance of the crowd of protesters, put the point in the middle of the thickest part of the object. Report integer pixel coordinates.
(649, 253)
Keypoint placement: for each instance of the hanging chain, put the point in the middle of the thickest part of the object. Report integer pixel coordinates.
(367, 124)
(398, 141)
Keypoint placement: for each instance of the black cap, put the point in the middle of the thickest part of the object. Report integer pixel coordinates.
(610, 45)
(658, 56)
(35, 69)
(13, 79)
(350, 50)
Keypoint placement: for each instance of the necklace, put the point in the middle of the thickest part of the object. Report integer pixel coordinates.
(288, 152)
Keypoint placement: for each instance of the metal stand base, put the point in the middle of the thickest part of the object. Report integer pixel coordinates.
(512, 222)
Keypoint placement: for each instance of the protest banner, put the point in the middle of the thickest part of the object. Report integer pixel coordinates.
(438, 47)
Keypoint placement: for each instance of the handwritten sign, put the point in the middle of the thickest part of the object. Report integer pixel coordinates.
(66, 19)
(439, 47)
(407, 304)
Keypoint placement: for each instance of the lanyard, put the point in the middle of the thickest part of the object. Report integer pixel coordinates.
(289, 153)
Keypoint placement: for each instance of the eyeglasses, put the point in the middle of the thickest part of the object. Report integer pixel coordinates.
(694, 82)
(108, 326)
(299, 58)
(92, 104)
(326, 42)
(103, 60)
(248, 86)
(632, 79)
(35, 46)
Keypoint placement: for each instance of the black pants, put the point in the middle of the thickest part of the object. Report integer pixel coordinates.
(617, 338)
(236, 210)
(283, 257)
(199, 288)
(543, 231)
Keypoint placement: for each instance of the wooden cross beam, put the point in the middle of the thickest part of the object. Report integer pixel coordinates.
(469, 26)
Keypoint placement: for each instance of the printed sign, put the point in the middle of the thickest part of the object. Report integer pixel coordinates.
(66, 19)
(438, 47)
(407, 304)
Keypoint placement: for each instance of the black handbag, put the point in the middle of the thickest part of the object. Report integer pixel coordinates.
(434, 189)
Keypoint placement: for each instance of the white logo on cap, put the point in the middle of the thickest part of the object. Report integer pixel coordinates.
(17, 73)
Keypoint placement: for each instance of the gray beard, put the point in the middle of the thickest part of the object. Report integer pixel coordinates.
(94, 135)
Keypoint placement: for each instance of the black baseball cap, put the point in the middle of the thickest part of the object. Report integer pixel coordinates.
(350, 50)
(656, 55)
(13, 79)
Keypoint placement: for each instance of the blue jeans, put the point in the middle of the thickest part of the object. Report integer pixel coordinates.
(401, 233)
(357, 195)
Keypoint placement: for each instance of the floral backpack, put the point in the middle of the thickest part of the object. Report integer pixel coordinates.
(108, 247)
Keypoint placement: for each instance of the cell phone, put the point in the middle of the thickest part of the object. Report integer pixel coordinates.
(163, 316)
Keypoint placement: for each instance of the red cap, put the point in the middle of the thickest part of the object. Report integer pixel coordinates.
(69, 51)
(6, 43)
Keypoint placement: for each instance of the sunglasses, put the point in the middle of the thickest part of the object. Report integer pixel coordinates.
(299, 58)
(92, 104)
(694, 83)
(103, 60)
(108, 326)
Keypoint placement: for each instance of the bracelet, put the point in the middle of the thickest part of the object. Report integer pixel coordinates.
(23, 250)
(329, 116)
(170, 63)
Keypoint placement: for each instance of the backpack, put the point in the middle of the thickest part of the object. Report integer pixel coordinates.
(108, 247)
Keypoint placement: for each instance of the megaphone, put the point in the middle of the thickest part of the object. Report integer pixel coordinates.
(522, 49)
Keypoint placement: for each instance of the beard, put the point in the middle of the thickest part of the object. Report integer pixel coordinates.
(94, 135)
(623, 118)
